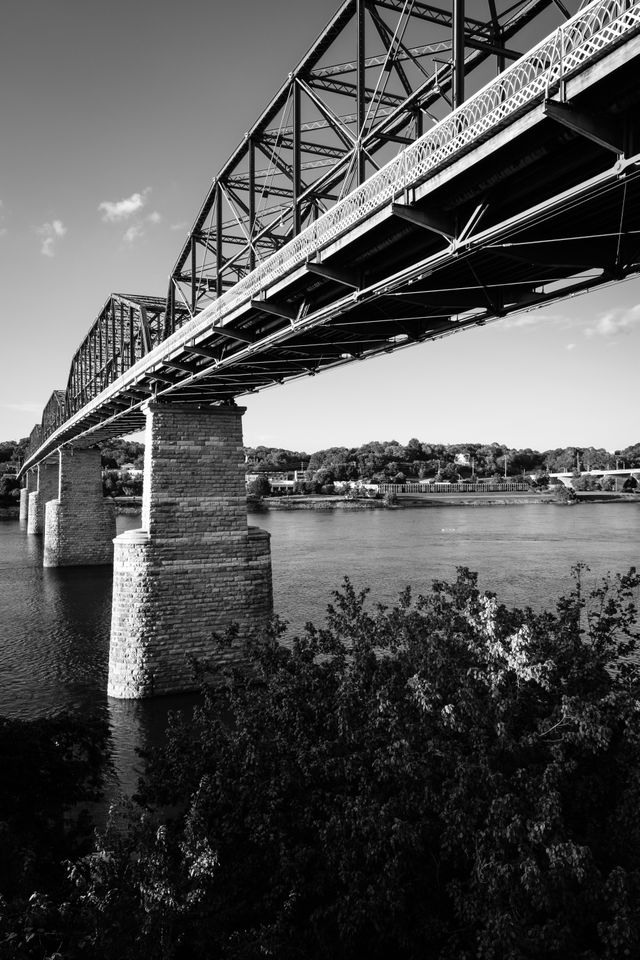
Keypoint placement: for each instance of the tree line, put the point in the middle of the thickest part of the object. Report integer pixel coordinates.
(382, 461)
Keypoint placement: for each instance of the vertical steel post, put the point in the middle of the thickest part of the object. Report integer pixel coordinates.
(296, 157)
(170, 320)
(360, 91)
(252, 202)
(194, 270)
(132, 344)
(458, 53)
(121, 339)
(218, 202)
(114, 344)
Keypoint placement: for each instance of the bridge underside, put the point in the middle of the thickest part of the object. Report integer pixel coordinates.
(546, 206)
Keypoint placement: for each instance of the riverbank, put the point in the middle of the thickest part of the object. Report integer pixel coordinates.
(412, 501)
(132, 506)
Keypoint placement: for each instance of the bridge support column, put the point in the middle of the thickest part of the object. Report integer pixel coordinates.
(79, 524)
(195, 567)
(47, 490)
(29, 484)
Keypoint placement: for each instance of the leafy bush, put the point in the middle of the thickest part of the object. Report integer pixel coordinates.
(260, 487)
(445, 778)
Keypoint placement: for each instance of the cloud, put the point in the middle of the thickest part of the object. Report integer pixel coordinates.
(50, 233)
(570, 346)
(529, 319)
(616, 322)
(115, 210)
(135, 231)
(179, 226)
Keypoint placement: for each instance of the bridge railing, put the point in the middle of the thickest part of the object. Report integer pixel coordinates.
(602, 24)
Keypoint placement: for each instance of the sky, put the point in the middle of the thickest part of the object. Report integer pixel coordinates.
(115, 117)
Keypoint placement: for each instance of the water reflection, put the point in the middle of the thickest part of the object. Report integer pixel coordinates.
(54, 623)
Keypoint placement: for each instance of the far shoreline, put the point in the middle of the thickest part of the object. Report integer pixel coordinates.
(132, 506)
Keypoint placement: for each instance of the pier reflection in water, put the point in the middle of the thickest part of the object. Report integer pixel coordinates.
(54, 623)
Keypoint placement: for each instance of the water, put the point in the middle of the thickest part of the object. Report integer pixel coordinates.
(54, 624)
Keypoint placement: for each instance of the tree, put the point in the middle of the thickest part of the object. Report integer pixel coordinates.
(448, 472)
(9, 486)
(445, 778)
(51, 770)
(260, 487)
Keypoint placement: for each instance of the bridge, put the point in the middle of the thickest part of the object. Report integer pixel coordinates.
(566, 477)
(391, 193)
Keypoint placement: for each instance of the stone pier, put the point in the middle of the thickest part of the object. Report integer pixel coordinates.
(79, 524)
(47, 489)
(29, 486)
(195, 567)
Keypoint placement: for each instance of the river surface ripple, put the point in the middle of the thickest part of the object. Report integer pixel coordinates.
(54, 623)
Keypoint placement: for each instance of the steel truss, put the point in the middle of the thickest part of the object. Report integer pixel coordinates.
(348, 108)
(379, 75)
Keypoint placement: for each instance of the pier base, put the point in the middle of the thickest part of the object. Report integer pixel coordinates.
(38, 499)
(80, 524)
(29, 486)
(195, 567)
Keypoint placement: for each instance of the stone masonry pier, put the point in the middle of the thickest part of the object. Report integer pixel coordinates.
(29, 485)
(47, 490)
(79, 524)
(195, 567)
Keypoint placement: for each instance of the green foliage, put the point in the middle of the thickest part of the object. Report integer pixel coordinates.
(564, 494)
(449, 473)
(8, 486)
(115, 453)
(51, 770)
(121, 483)
(260, 487)
(445, 778)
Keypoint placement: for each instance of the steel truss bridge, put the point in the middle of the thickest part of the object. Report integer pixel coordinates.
(392, 192)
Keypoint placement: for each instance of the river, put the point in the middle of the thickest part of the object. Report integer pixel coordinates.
(54, 624)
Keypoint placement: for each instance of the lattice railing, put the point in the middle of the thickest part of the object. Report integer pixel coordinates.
(601, 25)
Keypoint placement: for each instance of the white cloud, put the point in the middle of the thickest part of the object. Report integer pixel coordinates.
(179, 226)
(135, 231)
(49, 233)
(529, 319)
(154, 217)
(116, 210)
(570, 346)
(615, 322)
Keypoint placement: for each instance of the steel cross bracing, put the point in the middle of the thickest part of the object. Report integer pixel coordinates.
(379, 75)
(458, 227)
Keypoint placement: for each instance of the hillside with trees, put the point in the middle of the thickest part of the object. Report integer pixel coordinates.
(390, 461)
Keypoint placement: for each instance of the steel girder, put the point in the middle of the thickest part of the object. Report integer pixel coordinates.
(127, 328)
(379, 74)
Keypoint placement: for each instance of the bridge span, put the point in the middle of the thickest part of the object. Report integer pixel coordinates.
(364, 234)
